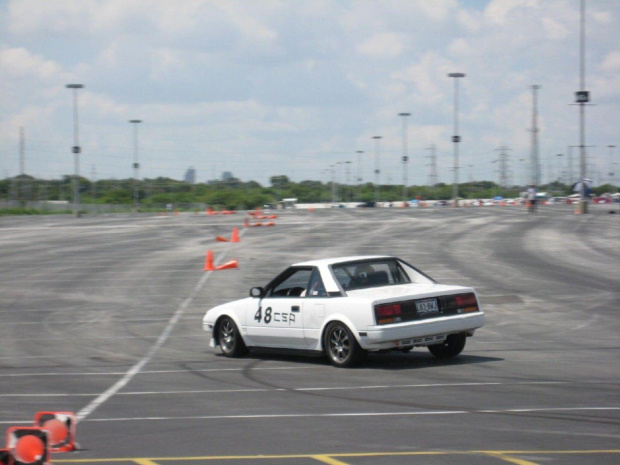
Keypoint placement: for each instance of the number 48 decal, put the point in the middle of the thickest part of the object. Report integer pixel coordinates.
(259, 315)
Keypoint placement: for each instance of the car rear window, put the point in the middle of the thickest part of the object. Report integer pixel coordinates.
(366, 274)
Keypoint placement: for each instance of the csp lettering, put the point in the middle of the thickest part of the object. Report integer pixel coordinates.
(278, 317)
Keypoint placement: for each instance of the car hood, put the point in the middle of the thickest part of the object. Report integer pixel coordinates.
(407, 290)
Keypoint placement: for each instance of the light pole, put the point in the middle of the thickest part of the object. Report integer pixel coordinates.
(338, 180)
(611, 164)
(582, 97)
(405, 157)
(333, 173)
(76, 149)
(136, 164)
(347, 191)
(377, 170)
(559, 156)
(456, 138)
(359, 172)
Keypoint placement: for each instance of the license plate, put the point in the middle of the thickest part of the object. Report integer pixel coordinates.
(424, 307)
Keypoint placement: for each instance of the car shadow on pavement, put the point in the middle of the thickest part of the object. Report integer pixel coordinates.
(383, 361)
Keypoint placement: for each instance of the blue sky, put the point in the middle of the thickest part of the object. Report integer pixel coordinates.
(297, 87)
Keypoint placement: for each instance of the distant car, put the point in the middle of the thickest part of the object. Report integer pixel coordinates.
(367, 205)
(346, 307)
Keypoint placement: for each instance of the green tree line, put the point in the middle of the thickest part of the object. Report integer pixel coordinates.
(235, 194)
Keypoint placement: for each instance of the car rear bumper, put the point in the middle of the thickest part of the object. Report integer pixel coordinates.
(418, 333)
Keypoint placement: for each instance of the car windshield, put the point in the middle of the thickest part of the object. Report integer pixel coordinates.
(370, 273)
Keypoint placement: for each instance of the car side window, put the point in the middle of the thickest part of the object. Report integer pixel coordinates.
(316, 287)
(292, 285)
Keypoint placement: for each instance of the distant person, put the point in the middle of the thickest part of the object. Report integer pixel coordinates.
(531, 198)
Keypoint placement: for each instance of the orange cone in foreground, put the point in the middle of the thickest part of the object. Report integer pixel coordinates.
(228, 265)
(61, 428)
(235, 235)
(209, 262)
(28, 445)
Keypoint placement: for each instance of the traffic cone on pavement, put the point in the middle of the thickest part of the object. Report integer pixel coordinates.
(61, 428)
(228, 265)
(209, 262)
(221, 239)
(235, 235)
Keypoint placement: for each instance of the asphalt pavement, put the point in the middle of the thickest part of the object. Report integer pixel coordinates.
(101, 316)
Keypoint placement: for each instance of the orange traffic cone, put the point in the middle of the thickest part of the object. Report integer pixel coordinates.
(269, 223)
(28, 445)
(209, 262)
(235, 235)
(228, 265)
(61, 429)
(221, 239)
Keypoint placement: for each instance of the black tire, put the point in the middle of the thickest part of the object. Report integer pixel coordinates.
(231, 343)
(451, 347)
(341, 347)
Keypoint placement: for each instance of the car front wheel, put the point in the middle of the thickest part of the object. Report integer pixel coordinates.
(341, 347)
(229, 338)
(451, 347)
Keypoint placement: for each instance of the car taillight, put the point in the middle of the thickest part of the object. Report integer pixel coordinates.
(466, 303)
(388, 310)
(388, 313)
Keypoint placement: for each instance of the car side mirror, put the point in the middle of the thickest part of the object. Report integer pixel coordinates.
(257, 292)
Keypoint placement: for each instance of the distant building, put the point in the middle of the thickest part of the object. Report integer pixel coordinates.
(190, 176)
(227, 176)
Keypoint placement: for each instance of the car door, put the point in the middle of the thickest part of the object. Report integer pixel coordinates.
(275, 320)
(313, 309)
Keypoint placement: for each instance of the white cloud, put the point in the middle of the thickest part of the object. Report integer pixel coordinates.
(385, 45)
(19, 63)
(555, 30)
(497, 11)
(612, 62)
(470, 21)
(460, 47)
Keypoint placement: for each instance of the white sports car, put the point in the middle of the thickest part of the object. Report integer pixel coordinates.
(346, 307)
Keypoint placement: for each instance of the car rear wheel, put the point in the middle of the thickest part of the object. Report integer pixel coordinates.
(229, 338)
(451, 347)
(341, 347)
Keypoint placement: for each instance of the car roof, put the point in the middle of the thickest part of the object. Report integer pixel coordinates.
(334, 260)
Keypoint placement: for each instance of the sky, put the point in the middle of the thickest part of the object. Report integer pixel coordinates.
(262, 88)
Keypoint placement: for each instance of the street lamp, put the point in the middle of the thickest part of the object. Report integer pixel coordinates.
(456, 138)
(359, 172)
(377, 170)
(611, 164)
(136, 164)
(405, 157)
(582, 98)
(76, 149)
(333, 186)
(347, 192)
